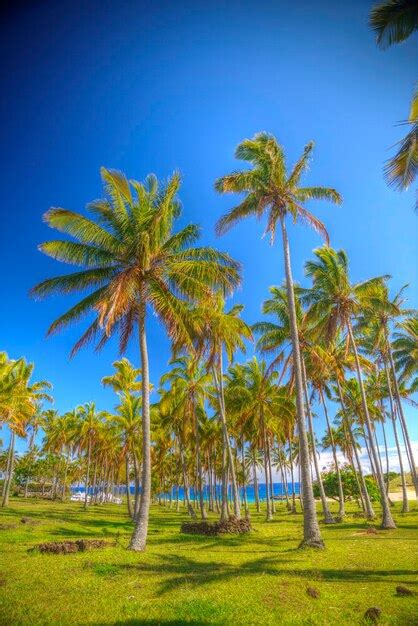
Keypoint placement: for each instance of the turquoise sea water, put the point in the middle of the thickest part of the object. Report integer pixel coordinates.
(278, 490)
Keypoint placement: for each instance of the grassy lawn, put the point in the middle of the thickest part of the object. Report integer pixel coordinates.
(259, 578)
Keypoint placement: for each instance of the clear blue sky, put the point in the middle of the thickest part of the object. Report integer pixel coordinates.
(155, 86)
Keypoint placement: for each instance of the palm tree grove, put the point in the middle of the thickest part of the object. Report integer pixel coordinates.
(209, 366)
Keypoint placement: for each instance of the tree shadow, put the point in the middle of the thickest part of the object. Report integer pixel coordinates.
(179, 570)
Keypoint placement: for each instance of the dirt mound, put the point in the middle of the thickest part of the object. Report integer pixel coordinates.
(68, 547)
(232, 526)
(404, 591)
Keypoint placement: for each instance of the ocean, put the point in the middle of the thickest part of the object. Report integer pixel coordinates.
(278, 490)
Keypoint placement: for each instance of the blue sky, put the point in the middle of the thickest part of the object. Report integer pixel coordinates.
(152, 87)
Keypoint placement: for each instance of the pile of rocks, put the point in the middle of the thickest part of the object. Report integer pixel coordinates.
(232, 526)
(68, 547)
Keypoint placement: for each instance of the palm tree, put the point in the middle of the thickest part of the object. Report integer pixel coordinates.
(270, 190)
(393, 21)
(405, 360)
(335, 303)
(190, 384)
(252, 390)
(216, 331)
(19, 400)
(90, 422)
(134, 263)
(125, 383)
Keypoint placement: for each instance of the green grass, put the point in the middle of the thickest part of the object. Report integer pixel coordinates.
(260, 578)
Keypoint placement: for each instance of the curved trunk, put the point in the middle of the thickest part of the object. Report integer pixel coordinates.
(405, 504)
(9, 469)
(328, 518)
(387, 520)
(311, 532)
(370, 514)
(403, 422)
(139, 537)
(341, 508)
(385, 443)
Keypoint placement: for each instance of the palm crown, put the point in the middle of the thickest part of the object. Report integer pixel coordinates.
(132, 258)
(269, 188)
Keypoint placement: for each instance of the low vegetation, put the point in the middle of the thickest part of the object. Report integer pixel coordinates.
(255, 578)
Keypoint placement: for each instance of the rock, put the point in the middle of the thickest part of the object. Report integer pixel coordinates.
(404, 591)
(312, 592)
(231, 526)
(372, 615)
(371, 530)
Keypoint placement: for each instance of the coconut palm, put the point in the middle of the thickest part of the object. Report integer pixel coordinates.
(375, 324)
(334, 305)
(19, 401)
(190, 383)
(274, 338)
(271, 191)
(134, 263)
(216, 331)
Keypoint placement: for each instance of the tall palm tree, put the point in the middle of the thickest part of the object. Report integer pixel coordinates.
(335, 303)
(134, 263)
(270, 190)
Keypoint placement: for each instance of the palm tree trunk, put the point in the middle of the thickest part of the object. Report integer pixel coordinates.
(9, 470)
(341, 508)
(199, 464)
(139, 537)
(387, 520)
(273, 506)
(284, 484)
(292, 477)
(137, 498)
(190, 509)
(269, 515)
(405, 504)
(256, 495)
(385, 443)
(311, 532)
(403, 422)
(328, 518)
(128, 486)
(370, 514)
(87, 473)
(244, 484)
(220, 388)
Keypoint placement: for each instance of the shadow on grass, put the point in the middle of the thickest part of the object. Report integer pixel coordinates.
(156, 622)
(180, 570)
